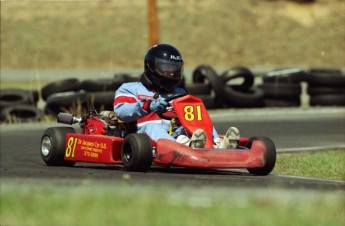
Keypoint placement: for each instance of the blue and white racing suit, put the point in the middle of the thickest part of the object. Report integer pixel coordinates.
(131, 103)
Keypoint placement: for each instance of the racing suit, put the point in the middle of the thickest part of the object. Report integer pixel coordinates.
(131, 103)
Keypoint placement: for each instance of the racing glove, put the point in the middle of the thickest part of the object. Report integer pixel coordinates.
(109, 114)
(158, 105)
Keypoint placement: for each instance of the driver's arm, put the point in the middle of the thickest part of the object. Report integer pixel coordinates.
(126, 104)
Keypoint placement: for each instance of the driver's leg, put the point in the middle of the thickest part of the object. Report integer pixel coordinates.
(198, 139)
(231, 139)
(155, 131)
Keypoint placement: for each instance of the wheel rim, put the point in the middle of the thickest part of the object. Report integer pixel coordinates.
(127, 154)
(46, 145)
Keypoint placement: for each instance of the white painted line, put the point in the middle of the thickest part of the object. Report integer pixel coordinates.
(312, 149)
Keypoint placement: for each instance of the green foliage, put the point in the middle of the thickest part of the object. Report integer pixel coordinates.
(116, 204)
(328, 165)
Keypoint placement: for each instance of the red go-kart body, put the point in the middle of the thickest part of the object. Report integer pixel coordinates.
(95, 144)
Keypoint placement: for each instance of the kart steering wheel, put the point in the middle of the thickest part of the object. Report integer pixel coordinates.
(168, 99)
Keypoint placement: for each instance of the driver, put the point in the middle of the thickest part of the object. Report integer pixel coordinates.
(143, 101)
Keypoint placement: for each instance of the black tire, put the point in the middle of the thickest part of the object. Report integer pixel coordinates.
(239, 72)
(53, 143)
(327, 100)
(326, 79)
(209, 101)
(281, 89)
(10, 97)
(198, 75)
(136, 152)
(270, 157)
(101, 85)
(287, 75)
(65, 85)
(101, 100)
(322, 90)
(206, 72)
(293, 101)
(198, 88)
(123, 77)
(63, 102)
(21, 113)
(333, 71)
(236, 97)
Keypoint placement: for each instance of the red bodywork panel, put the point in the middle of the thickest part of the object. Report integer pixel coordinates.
(193, 115)
(171, 153)
(93, 148)
(92, 145)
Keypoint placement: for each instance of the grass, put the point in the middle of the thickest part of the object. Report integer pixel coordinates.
(114, 203)
(326, 165)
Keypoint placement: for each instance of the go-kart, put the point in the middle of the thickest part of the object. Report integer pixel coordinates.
(114, 142)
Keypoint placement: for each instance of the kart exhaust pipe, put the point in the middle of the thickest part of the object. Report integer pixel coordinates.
(67, 118)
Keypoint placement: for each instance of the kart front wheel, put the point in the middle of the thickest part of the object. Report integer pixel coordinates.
(270, 156)
(53, 144)
(136, 152)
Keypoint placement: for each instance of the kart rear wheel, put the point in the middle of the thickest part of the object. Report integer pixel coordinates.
(270, 157)
(53, 144)
(136, 152)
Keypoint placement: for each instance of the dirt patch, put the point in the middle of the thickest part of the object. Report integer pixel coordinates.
(113, 34)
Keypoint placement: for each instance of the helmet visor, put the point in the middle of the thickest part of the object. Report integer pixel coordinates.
(167, 68)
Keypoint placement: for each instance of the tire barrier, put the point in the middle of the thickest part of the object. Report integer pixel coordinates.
(79, 101)
(198, 88)
(72, 95)
(283, 87)
(21, 113)
(101, 100)
(238, 97)
(322, 90)
(100, 85)
(221, 92)
(287, 75)
(96, 85)
(326, 87)
(209, 101)
(239, 72)
(205, 76)
(327, 100)
(241, 95)
(233, 88)
(123, 77)
(65, 85)
(72, 101)
(11, 97)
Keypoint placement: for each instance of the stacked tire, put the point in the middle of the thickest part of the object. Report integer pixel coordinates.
(63, 96)
(283, 88)
(243, 95)
(219, 91)
(101, 92)
(204, 81)
(72, 95)
(18, 105)
(326, 87)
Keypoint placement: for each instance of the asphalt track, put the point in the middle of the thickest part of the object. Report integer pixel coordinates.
(290, 129)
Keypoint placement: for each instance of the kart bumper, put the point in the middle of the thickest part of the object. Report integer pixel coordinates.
(170, 153)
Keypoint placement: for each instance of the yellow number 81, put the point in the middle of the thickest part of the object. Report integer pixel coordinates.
(71, 143)
(190, 111)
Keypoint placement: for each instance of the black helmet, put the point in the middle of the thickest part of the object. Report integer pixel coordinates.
(163, 67)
